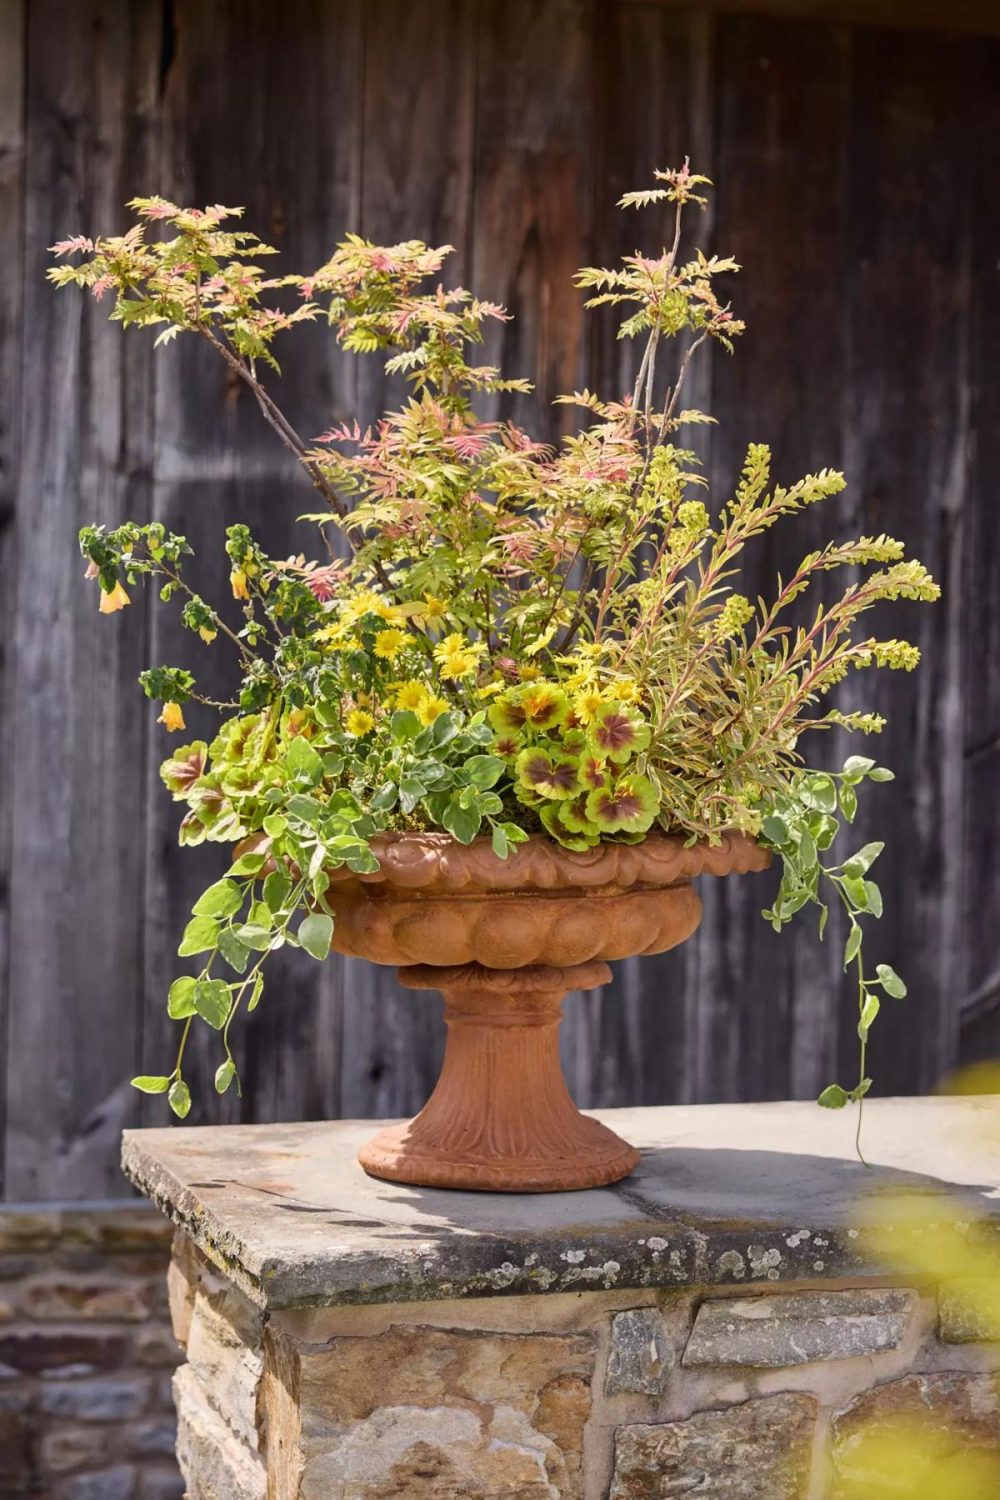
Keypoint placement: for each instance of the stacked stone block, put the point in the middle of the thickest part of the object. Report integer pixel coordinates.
(748, 1393)
(86, 1356)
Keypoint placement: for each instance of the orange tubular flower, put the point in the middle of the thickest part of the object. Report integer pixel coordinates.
(113, 600)
(172, 717)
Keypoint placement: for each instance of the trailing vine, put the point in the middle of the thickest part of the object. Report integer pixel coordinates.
(800, 826)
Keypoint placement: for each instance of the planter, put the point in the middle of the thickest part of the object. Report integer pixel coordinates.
(504, 941)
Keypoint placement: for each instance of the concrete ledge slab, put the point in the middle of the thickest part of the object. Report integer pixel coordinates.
(724, 1195)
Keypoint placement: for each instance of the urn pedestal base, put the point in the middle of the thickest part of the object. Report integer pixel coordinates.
(504, 939)
(501, 1118)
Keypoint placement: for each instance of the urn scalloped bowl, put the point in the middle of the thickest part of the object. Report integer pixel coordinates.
(504, 940)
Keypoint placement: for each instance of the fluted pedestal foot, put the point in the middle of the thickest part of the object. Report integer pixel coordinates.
(501, 1119)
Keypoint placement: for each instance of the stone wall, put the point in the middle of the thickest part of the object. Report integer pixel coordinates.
(86, 1355)
(590, 1396)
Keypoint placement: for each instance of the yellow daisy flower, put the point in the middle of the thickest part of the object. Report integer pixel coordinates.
(172, 717)
(434, 608)
(588, 704)
(389, 643)
(363, 603)
(410, 695)
(626, 689)
(359, 723)
(591, 651)
(457, 657)
(238, 584)
(431, 708)
(585, 678)
(337, 636)
(367, 602)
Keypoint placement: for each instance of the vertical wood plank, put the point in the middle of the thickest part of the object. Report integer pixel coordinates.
(635, 1041)
(416, 143)
(533, 196)
(77, 890)
(766, 1005)
(980, 1018)
(12, 68)
(416, 184)
(278, 135)
(535, 181)
(913, 113)
(649, 114)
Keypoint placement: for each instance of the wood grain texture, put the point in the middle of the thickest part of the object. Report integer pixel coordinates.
(76, 891)
(12, 47)
(216, 463)
(416, 145)
(417, 142)
(980, 622)
(857, 170)
(975, 17)
(913, 109)
(533, 194)
(779, 161)
(636, 1041)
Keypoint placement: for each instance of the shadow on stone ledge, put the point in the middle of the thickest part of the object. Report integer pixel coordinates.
(723, 1194)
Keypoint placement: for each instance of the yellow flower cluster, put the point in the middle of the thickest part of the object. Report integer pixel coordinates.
(367, 602)
(588, 694)
(734, 614)
(389, 643)
(692, 516)
(457, 657)
(338, 636)
(690, 523)
(417, 697)
(901, 656)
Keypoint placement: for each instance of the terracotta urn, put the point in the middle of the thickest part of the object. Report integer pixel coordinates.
(504, 941)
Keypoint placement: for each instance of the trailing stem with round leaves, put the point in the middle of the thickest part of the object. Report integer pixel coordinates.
(800, 827)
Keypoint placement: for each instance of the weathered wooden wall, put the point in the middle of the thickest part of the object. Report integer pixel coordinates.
(857, 170)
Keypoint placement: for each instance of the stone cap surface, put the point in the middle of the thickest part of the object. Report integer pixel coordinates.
(725, 1194)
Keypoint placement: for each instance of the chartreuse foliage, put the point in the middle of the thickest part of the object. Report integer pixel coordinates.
(512, 638)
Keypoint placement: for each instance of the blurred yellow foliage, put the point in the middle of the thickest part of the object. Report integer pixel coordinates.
(924, 1235)
(916, 1460)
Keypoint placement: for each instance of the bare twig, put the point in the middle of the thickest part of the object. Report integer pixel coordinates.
(276, 419)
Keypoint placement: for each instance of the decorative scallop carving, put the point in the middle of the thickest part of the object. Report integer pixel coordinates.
(435, 901)
(435, 862)
(505, 931)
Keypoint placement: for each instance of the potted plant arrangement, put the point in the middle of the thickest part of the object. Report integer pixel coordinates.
(494, 734)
